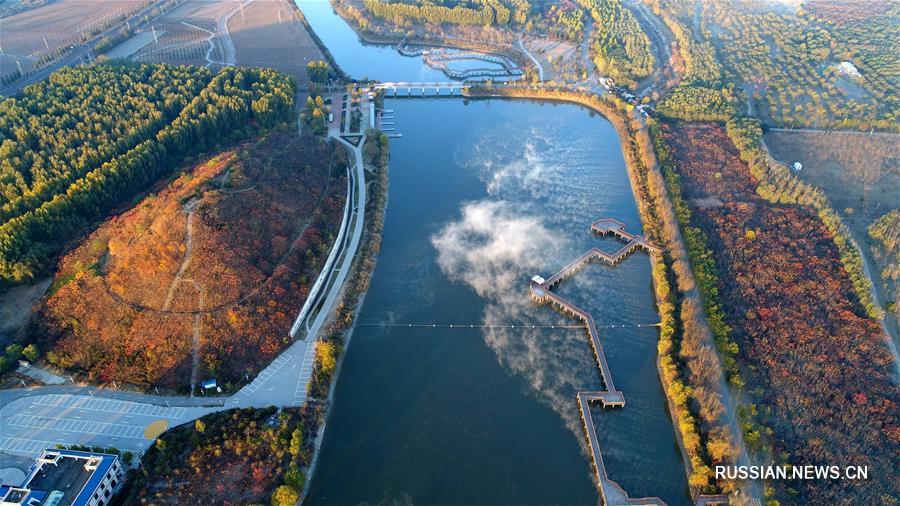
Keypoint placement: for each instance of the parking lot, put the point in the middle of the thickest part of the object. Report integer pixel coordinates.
(31, 424)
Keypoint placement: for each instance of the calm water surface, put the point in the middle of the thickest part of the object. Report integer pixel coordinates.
(482, 196)
(361, 60)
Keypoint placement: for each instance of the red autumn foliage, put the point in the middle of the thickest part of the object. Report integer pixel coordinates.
(231, 457)
(819, 365)
(128, 299)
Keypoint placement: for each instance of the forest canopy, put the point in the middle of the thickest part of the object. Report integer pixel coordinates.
(94, 136)
(621, 48)
(827, 64)
(59, 130)
(697, 103)
(239, 456)
(458, 13)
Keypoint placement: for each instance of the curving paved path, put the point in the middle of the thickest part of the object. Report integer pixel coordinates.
(537, 64)
(228, 51)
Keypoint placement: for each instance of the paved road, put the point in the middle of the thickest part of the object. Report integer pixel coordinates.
(284, 382)
(586, 61)
(32, 419)
(848, 132)
(222, 29)
(661, 40)
(537, 64)
(78, 55)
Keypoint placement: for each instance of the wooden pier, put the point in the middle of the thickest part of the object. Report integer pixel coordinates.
(541, 291)
(617, 228)
(611, 397)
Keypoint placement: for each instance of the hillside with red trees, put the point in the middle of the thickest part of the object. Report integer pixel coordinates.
(817, 366)
(239, 456)
(206, 274)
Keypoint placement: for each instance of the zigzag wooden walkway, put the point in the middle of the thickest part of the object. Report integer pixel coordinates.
(541, 291)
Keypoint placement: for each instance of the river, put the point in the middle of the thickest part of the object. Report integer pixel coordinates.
(361, 60)
(483, 195)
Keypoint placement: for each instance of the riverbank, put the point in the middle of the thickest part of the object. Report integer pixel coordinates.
(353, 297)
(451, 43)
(369, 37)
(676, 370)
(322, 47)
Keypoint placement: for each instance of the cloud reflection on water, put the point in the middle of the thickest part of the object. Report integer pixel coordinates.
(537, 200)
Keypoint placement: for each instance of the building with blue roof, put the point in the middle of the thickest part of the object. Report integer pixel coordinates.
(67, 478)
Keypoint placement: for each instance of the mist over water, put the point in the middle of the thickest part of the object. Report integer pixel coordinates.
(540, 193)
(484, 195)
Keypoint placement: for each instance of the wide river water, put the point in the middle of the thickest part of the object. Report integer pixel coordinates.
(483, 195)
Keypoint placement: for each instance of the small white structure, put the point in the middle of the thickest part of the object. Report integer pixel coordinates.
(849, 69)
(539, 280)
(798, 166)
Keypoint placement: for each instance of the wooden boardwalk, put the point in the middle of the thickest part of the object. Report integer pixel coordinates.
(541, 291)
(437, 57)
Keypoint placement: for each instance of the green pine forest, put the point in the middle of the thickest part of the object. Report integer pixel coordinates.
(92, 137)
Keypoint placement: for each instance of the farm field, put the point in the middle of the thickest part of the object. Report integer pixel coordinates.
(189, 35)
(860, 174)
(813, 363)
(264, 33)
(269, 34)
(62, 23)
(203, 278)
(10, 7)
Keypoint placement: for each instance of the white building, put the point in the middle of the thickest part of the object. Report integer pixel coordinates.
(67, 478)
(849, 69)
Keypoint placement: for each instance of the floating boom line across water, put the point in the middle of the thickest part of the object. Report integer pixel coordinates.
(483, 326)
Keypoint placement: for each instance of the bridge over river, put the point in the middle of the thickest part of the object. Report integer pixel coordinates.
(541, 291)
(421, 89)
